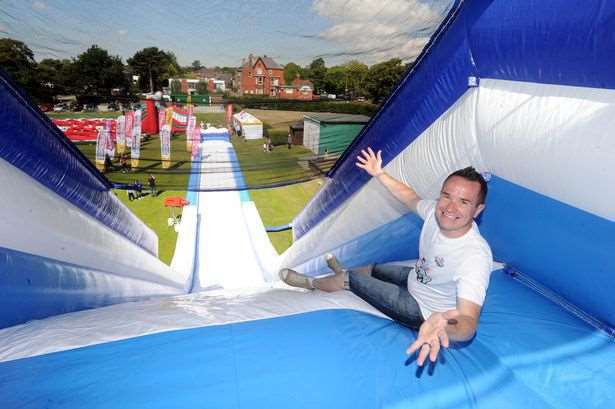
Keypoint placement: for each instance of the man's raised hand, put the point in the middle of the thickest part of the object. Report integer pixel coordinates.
(370, 162)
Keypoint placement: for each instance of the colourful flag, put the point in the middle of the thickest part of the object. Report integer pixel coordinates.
(162, 118)
(165, 146)
(189, 131)
(135, 147)
(100, 150)
(196, 139)
(149, 118)
(180, 120)
(120, 134)
(229, 115)
(129, 125)
(109, 144)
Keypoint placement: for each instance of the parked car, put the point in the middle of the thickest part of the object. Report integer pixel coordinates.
(63, 106)
(45, 107)
(76, 107)
(90, 108)
(112, 106)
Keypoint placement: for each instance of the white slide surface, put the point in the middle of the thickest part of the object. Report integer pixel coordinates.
(233, 250)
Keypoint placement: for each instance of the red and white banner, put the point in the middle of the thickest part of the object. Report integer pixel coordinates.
(180, 120)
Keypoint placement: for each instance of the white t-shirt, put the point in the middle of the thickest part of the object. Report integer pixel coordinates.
(448, 269)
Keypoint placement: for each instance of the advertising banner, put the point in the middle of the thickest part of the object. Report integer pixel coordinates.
(189, 132)
(165, 146)
(109, 142)
(128, 126)
(180, 120)
(149, 117)
(120, 134)
(196, 139)
(100, 151)
(135, 146)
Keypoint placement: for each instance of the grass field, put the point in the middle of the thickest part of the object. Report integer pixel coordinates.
(153, 213)
(279, 206)
(276, 206)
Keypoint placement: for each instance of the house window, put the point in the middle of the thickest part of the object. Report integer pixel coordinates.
(274, 81)
(270, 72)
(259, 80)
(250, 74)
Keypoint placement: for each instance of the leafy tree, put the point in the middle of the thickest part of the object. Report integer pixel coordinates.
(17, 59)
(383, 77)
(196, 65)
(153, 66)
(176, 87)
(316, 72)
(335, 80)
(57, 76)
(98, 73)
(201, 88)
(356, 74)
(290, 72)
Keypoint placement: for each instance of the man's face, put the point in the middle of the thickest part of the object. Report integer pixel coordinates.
(458, 206)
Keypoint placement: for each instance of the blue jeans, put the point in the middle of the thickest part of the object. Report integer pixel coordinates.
(387, 291)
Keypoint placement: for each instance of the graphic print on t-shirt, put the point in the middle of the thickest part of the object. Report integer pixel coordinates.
(422, 275)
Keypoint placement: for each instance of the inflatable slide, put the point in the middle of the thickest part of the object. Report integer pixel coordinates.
(523, 91)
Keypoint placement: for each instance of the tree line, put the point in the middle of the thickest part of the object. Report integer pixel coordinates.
(352, 79)
(97, 73)
(94, 72)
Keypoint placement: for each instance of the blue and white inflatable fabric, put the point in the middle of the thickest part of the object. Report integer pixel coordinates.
(522, 90)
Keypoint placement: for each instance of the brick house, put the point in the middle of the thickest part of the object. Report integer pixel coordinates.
(299, 89)
(261, 76)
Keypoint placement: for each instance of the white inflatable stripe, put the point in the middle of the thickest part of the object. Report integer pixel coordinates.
(37, 221)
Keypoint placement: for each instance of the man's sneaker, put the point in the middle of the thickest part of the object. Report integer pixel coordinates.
(333, 264)
(295, 279)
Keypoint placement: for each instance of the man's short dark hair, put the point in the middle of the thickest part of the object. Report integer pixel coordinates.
(472, 175)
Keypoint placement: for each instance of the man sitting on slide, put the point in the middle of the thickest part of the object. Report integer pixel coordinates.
(441, 296)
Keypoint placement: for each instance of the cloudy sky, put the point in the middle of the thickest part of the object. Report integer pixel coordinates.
(222, 32)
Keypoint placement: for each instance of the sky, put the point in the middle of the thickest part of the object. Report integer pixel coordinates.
(223, 32)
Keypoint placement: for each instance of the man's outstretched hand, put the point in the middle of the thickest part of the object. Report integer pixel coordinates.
(370, 162)
(432, 336)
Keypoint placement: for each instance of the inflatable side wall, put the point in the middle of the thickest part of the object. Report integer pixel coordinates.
(67, 242)
(513, 89)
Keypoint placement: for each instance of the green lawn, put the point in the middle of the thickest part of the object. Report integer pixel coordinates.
(153, 213)
(265, 168)
(276, 206)
(280, 205)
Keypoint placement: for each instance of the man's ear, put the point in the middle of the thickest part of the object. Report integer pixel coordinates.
(479, 209)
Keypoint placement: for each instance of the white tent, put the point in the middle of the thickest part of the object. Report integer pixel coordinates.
(250, 126)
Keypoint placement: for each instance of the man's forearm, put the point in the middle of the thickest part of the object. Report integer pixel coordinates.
(399, 190)
(461, 328)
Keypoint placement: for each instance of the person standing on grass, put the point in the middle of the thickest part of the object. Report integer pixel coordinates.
(442, 294)
(151, 181)
(289, 140)
(138, 189)
(131, 195)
